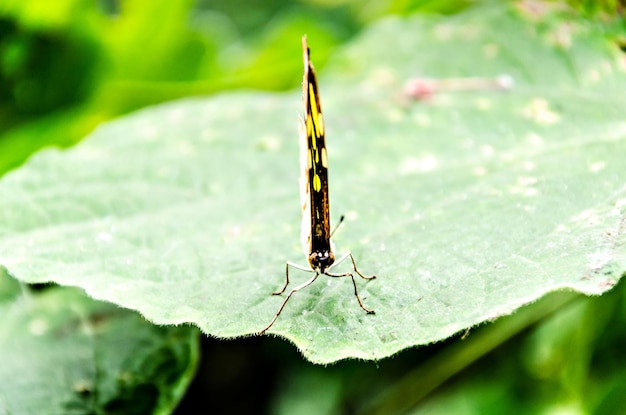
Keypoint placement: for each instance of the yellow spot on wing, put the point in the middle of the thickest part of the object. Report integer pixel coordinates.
(315, 114)
(313, 101)
(317, 183)
(320, 123)
(324, 158)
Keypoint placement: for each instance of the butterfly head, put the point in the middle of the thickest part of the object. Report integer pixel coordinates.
(320, 261)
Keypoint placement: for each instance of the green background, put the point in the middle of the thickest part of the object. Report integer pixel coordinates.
(68, 68)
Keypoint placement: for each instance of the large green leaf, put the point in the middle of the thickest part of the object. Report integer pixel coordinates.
(466, 206)
(63, 352)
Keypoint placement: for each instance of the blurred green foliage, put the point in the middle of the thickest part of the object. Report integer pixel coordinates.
(66, 66)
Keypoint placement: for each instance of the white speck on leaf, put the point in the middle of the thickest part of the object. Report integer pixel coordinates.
(534, 139)
(597, 166)
(352, 215)
(487, 150)
(38, 326)
(176, 115)
(208, 134)
(149, 131)
(423, 164)
(395, 115)
(269, 143)
(528, 166)
(483, 104)
(422, 120)
(526, 181)
(104, 237)
(598, 259)
(479, 171)
(587, 216)
(185, 148)
(491, 50)
(539, 111)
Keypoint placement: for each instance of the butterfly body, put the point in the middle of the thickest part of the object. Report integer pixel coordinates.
(314, 194)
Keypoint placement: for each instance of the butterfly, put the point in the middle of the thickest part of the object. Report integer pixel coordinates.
(315, 232)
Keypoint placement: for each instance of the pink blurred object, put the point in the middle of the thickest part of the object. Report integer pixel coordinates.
(423, 88)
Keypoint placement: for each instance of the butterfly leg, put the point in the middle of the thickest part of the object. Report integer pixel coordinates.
(343, 258)
(371, 277)
(286, 281)
(298, 288)
(356, 292)
(287, 276)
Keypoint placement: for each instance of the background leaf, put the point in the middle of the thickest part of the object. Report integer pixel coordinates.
(66, 353)
(467, 206)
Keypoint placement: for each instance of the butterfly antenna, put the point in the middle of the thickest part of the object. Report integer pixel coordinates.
(337, 225)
